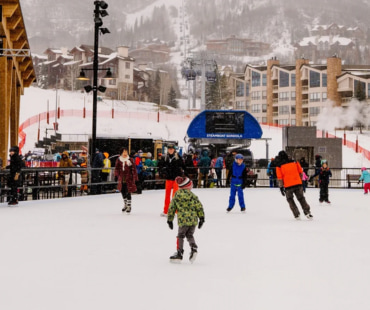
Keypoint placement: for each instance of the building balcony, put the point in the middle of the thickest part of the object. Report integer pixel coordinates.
(275, 114)
(275, 88)
(305, 115)
(304, 89)
(275, 102)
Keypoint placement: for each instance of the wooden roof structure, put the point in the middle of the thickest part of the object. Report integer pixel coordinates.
(16, 71)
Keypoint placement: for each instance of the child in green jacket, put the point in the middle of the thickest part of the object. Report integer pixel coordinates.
(188, 208)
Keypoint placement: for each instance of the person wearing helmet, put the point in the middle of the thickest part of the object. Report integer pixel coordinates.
(238, 176)
(289, 175)
(365, 176)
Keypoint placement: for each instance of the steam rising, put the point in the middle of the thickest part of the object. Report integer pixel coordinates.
(333, 117)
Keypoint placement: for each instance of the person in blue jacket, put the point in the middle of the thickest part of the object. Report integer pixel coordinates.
(365, 176)
(219, 165)
(237, 183)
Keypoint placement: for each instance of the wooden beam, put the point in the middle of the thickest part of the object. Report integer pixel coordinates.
(4, 110)
(23, 65)
(20, 44)
(9, 9)
(14, 21)
(16, 34)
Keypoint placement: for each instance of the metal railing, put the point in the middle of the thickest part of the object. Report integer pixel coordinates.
(49, 183)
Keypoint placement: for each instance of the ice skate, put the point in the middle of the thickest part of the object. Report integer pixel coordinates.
(309, 216)
(128, 210)
(193, 255)
(177, 256)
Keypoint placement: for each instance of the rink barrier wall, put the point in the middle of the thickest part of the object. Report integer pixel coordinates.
(44, 182)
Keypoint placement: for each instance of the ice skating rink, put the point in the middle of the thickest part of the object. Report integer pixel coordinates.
(83, 253)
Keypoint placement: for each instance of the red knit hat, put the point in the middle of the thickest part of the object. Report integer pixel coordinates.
(184, 183)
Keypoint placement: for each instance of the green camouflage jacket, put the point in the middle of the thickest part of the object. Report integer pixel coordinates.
(188, 208)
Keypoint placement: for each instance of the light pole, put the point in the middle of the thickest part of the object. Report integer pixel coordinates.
(99, 12)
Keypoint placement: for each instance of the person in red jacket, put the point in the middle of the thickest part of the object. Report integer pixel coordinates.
(289, 175)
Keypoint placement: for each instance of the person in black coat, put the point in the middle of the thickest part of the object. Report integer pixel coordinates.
(14, 178)
(173, 167)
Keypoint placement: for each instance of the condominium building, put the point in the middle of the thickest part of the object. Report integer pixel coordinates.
(296, 94)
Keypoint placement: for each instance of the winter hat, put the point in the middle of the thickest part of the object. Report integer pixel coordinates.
(171, 146)
(14, 149)
(363, 168)
(283, 155)
(239, 156)
(184, 182)
(149, 155)
(106, 154)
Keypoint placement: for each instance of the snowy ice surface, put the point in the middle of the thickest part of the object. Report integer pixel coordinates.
(83, 253)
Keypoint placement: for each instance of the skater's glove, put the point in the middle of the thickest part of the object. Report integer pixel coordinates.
(170, 224)
(282, 190)
(201, 222)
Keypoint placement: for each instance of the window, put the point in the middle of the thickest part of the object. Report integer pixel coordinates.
(314, 79)
(324, 80)
(292, 122)
(255, 95)
(247, 90)
(314, 97)
(127, 76)
(239, 89)
(256, 79)
(283, 79)
(264, 79)
(264, 94)
(314, 111)
(112, 82)
(284, 96)
(359, 89)
(292, 109)
(128, 65)
(284, 109)
(292, 79)
(368, 90)
(264, 108)
(324, 97)
(239, 104)
(292, 95)
(256, 108)
(264, 120)
(283, 122)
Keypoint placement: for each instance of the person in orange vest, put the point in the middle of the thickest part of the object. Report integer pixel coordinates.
(106, 170)
(289, 175)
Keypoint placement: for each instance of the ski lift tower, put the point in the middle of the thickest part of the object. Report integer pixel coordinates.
(200, 64)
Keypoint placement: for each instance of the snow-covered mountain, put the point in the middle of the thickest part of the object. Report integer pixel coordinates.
(278, 22)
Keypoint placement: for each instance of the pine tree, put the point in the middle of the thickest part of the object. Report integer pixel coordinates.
(361, 96)
(156, 90)
(217, 93)
(172, 102)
